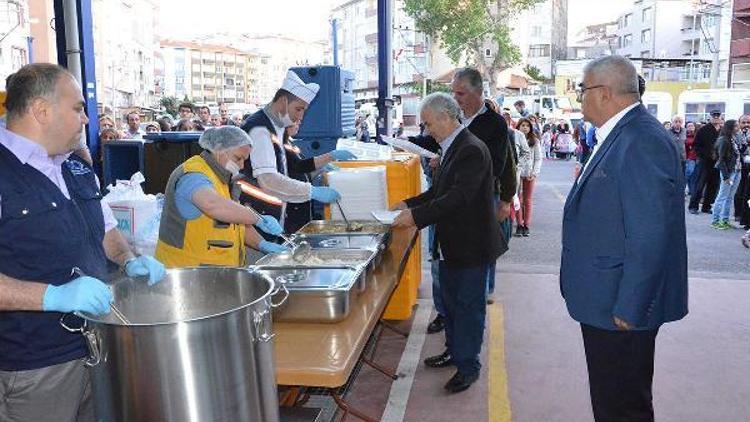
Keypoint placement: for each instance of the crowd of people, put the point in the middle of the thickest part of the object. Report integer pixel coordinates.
(190, 118)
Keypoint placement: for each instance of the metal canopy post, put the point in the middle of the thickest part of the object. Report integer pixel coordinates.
(385, 67)
(75, 51)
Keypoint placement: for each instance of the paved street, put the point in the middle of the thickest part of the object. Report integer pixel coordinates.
(533, 359)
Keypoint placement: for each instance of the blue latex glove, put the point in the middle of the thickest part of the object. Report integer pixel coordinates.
(324, 194)
(270, 247)
(342, 155)
(269, 225)
(146, 265)
(83, 294)
(330, 167)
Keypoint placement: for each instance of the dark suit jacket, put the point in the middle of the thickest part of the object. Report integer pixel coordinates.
(624, 247)
(460, 203)
(705, 139)
(491, 129)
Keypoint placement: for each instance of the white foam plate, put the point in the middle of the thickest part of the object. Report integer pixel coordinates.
(385, 216)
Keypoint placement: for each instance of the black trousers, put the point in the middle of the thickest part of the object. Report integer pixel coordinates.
(740, 199)
(706, 186)
(621, 372)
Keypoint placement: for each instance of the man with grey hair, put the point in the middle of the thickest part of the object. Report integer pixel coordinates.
(52, 220)
(623, 286)
(467, 237)
(678, 133)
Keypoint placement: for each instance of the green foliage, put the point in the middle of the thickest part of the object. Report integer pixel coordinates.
(432, 86)
(535, 73)
(465, 26)
(170, 105)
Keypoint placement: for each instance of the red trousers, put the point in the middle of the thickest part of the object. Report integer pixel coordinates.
(527, 190)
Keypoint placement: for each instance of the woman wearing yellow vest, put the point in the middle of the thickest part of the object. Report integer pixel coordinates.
(202, 222)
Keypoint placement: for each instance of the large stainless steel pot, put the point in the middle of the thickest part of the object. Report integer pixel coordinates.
(198, 348)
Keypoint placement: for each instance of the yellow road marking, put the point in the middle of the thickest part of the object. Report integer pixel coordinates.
(499, 398)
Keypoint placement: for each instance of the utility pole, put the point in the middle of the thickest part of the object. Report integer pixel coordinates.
(714, 10)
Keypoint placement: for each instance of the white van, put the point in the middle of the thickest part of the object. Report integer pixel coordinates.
(696, 104)
(659, 104)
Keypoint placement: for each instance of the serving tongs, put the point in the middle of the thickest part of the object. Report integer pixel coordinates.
(300, 251)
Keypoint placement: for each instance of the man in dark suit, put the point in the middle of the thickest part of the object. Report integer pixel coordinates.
(486, 124)
(467, 237)
(623, 286)
(707, 185)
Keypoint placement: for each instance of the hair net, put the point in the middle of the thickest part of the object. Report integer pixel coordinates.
(224, 138)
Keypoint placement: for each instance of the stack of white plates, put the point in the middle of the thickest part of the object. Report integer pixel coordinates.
(362, 189)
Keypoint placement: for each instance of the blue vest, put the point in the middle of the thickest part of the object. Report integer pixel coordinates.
(43, 235)
(260, 119)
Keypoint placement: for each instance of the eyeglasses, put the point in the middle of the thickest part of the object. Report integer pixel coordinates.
(582, 89)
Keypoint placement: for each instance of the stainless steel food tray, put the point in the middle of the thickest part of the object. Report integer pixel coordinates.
(321, 295)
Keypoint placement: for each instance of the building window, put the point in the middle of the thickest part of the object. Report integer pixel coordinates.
(18, 58)
(626, 20)
(539, 50)
(627, 41)
(536, 31)
(646, 54)
(646, 14)
(645, 36)
(487, 53)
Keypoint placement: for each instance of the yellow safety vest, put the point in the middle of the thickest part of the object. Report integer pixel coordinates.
(205, 241)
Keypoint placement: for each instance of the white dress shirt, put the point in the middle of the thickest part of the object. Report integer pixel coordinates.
(605, 130)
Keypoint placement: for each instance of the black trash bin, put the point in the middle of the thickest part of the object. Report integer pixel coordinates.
(163, 152)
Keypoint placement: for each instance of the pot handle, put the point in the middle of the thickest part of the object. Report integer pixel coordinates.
(281, 286)
(92, 341)
(262, 329)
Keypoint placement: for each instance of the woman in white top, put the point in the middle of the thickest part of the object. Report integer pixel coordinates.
(528, 168)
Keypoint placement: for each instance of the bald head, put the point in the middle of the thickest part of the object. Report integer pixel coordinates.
(610, 84)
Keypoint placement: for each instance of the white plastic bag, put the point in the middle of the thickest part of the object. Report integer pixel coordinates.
(138, 215)
(362, 190)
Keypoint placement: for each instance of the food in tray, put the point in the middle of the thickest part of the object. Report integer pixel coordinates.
(339, 227)
(313, 261)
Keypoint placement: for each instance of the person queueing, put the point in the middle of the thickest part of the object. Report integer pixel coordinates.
(268, 167)
(467, 242)
(202, 222)
(52, 220)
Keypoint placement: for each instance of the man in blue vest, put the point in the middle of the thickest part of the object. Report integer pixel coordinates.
(51, 221)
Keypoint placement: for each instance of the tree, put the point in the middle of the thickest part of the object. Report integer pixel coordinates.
(535, 73)
(170, 105)
(466, 28)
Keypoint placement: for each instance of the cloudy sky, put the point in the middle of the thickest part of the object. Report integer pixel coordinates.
(309, 18)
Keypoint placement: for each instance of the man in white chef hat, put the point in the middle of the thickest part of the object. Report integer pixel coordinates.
(267, 167)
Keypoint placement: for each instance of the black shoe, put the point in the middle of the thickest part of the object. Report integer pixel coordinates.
(526, 231)
(437, 325)
(706, 211)
(519, 231)
(440, 361)
(692, 211)
(461, 382)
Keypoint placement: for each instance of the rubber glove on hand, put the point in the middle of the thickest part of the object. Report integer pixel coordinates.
(324, 194)
(269, 225)
(342, 155)
(330, 167)
(270, 247)
(83, 294)
(146, 265)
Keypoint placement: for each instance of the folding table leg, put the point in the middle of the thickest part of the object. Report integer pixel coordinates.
(388, 373)
(398, 331)
(343, 405)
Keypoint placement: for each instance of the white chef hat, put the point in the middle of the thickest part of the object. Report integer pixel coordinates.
(295, 85)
